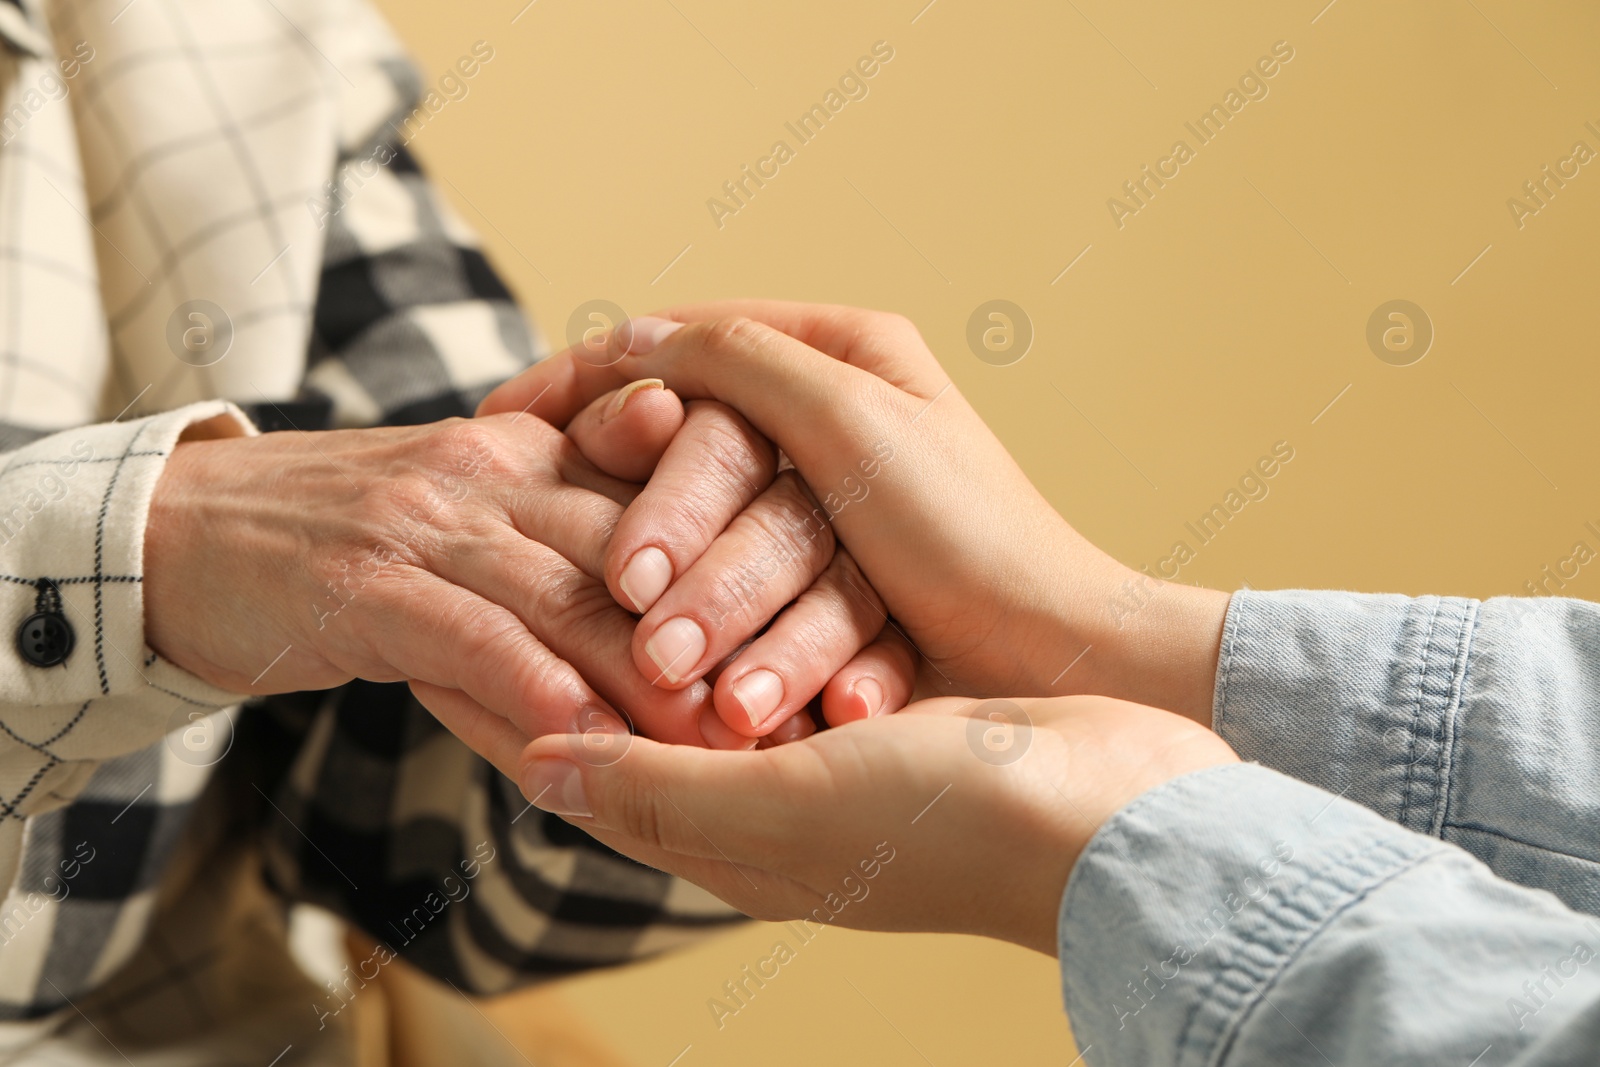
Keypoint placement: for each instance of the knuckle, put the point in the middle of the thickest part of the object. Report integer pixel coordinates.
(464, 447)
(724, 426)
(404, 521)
(496, 643)
(814, 648)
(564, 598)
(784, 550)
(895, 323)
(673, 524)
(410, 494)
(731, 467)
(546, 704)
(636, 812)
(496, 647)
(862, 600)
(736, 458)
(545, 440)
(732, 336)
(476, 628)
(793, 521)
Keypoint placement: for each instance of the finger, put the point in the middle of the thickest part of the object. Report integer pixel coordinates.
(556, 388)
(625, 432)
(489, 735)
(797, 727)
(549, 490)
(881, 343)
(828, 417)
(807, 644)
(879, 680)
(573, 522)
(746, 888)
(600, 739)
(682, 801)
(579, 622)
(515, 461)
(545, 442)
(717, 734)
(633, 815)
(461, 640)
(709, 474)
(780, 809)
(767, 556)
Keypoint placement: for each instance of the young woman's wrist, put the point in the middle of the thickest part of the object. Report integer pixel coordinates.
(1167, 655)
(1051, 835)
(1138, 639)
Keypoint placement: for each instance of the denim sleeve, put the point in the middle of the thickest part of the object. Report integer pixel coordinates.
(1235, 917)
(1477, 723)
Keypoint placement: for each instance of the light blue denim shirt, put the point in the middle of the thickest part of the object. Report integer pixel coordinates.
(1414, 880)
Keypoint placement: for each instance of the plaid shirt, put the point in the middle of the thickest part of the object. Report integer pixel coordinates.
(179, 151)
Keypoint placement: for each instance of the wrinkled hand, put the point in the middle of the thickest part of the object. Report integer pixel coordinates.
(911, 822)
(464, 557)
(461, 554)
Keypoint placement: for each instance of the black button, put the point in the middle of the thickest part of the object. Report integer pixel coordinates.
(45, 639)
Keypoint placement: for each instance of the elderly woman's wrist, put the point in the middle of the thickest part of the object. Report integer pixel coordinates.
(169, 568)
(199, 564)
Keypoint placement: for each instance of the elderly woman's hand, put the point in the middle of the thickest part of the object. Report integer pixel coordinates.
(461, 553)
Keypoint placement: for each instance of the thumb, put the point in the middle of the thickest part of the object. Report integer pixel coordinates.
(823, 413)
(886, 345)
(879, 342)
(626, 431)
(658, 799)
(556, 388)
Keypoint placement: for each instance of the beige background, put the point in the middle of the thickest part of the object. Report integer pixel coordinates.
(1223, 317)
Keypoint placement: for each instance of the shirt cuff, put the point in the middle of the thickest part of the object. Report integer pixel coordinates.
(73, 512)
(1190, 902)
(1359, 694)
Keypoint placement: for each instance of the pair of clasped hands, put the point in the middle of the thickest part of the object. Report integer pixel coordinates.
(613, 588)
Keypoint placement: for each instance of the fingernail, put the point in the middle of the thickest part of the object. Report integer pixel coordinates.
(718, 735)
(676, 648)
(646, 577)
(621, 399)
(759, 693)
(598, 720)
(599, 738)
(557, 786)
(870, 693)
(643, 334)
(797, 727)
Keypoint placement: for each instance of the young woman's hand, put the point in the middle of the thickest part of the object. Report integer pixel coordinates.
(954, 815)
(991, 585)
